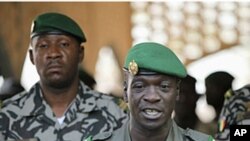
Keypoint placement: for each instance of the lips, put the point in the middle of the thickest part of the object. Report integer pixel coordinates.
(150, 113)
(54, 68)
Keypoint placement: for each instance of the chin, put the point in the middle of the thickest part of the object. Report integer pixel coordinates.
(58, 84)
(153, 125)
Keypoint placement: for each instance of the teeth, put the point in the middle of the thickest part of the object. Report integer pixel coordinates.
(151, 112)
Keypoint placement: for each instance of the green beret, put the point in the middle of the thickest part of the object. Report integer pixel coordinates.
(154, 57)
(53, 22)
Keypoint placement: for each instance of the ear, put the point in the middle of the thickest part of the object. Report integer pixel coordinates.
(178, 96)
(178, 90)
(81, 53)
(31, 56)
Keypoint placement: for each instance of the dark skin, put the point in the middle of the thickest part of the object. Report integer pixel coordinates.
(151, 100)
(56, 58)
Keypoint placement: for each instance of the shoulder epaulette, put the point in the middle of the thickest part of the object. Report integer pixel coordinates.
(197, 136)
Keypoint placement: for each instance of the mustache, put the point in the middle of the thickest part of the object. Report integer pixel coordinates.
(157, 107)
(54, 62)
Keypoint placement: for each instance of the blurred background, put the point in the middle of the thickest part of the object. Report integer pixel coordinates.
(206, 36)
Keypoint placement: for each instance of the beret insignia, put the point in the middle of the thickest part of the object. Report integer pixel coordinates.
(133, 67)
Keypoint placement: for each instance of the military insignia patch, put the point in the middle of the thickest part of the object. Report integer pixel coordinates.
(222, 124)
(133, 67)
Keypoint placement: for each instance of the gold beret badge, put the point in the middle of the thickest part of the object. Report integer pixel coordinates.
(133, 67)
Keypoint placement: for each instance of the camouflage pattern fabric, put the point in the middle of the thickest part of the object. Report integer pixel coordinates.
(27, 116)
(235, 110)
(176, 134)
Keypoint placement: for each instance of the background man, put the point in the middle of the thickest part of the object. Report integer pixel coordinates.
(59, 107)
(185, 115)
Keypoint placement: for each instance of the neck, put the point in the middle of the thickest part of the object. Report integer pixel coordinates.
(60, 99)
(144, 134)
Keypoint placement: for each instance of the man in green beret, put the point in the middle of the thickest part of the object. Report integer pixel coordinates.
(152, 79)
(59, 107)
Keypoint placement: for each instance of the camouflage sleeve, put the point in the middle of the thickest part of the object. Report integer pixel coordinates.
(113, 108)
(234, 110)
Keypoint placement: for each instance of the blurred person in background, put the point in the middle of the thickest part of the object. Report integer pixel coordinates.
(216, 84)
(185, 115)
(9, 88)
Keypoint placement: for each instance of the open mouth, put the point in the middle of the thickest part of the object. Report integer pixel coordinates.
(151, 113)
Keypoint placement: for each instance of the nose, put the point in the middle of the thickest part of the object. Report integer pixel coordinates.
(152, 95)
(54, 52)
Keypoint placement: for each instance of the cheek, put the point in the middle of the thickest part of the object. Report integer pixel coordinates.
(37, 59)
(72, 57)
(170, 101)
(133, 101)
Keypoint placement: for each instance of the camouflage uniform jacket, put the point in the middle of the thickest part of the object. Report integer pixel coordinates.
(27, 116)
(235, 111)
(176, 134)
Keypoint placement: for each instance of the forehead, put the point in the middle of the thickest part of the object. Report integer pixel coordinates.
(149, 77)
(51, 36)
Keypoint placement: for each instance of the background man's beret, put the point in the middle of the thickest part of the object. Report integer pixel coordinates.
(154, 57)
(50, 22)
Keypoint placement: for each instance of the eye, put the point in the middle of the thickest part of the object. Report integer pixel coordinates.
(164, 86)
(64, 44)
(42, 45)
(138, 86)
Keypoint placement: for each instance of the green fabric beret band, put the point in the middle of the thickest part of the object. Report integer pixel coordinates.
(49, 22)
(154, 57)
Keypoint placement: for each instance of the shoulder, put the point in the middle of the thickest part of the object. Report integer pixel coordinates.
(12, 108)
(24, 97)
(22, 101)
(103, 100)
(120, 134)
(87, 92)
(14, 100)
(189, 134)
(112, 106)
(113, 101)
(193, 135)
